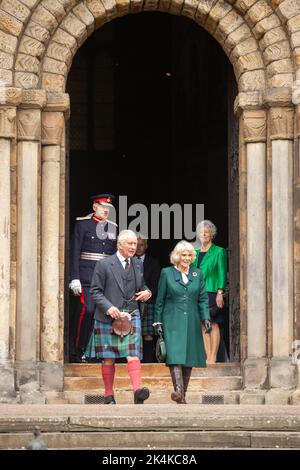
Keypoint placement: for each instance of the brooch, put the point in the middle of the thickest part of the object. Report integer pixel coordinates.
(195, 274)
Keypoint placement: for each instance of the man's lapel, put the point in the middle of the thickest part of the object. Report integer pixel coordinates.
(137, 266)
(116, 268)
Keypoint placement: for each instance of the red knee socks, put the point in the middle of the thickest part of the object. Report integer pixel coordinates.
(134, 370)
(108, 375)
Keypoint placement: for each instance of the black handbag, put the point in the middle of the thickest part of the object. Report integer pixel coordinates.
(160, 349)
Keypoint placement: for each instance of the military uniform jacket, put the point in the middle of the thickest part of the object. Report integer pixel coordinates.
(90, 236)
(180, 308)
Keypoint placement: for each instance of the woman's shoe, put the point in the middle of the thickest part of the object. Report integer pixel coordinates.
(178, 397)
(177, 379)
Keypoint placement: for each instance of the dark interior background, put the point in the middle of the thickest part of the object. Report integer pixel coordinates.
(149, 119)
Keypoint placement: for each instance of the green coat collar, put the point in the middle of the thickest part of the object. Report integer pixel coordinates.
(178, 277)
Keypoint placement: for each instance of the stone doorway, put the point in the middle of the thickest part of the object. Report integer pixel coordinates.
(138, 106)
(38, 44)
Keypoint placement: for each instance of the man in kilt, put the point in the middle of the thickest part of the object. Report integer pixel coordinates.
(117, 288)
(151, 272)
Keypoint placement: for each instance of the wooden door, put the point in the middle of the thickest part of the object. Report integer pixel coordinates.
(233, 222)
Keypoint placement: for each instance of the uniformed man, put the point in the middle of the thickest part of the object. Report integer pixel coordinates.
(94, 238)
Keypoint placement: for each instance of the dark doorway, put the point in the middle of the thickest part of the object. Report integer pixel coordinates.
(149, 119)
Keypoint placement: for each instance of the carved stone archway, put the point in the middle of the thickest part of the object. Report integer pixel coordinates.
(38, 40)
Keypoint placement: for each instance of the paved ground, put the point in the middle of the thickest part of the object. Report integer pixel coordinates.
(146, 410)
(152, 426)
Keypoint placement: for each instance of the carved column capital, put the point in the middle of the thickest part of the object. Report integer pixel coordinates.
(29, 124)
(10, 96)
(255, 125)
(57, 101)
(52, 127)
(7, 122)
(247, 100)
(33, 99)
(277, 97)
(281, 123)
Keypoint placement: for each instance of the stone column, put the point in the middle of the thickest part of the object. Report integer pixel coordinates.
(9, 98)
(4, 242)
(28, 308)
(296, 343)
(52, 131)
(283, 372)
(256, 364)
(27, 243)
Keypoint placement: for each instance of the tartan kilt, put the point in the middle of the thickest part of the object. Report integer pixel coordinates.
(103, 344)
(148, 320)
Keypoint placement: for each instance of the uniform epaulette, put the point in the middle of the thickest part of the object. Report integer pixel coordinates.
(85, 217)
(111, 222)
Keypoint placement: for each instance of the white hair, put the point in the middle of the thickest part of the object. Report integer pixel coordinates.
(179, 249)
(126, 235)
(210, 225)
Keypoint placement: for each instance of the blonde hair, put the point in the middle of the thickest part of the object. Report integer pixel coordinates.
(179, 249)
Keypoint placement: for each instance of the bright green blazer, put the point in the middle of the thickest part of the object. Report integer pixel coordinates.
(213, 267)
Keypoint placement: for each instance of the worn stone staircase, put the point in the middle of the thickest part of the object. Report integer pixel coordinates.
(229, 421)
(152, 427)
(216, 384)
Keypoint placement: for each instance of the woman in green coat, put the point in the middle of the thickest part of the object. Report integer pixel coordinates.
(181, 305)
(212, 260)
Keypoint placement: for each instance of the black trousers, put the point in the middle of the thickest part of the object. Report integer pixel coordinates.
(84, 321)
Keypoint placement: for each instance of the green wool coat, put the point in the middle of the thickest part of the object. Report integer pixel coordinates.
(180, 308)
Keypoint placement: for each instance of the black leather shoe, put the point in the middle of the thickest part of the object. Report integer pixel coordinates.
(140, 395)
(109, 400)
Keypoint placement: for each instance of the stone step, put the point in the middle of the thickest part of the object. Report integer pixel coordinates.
(151, 427)
(180, 439)
(157, 383)
(94, 397)
(152, 370)
(50, 418)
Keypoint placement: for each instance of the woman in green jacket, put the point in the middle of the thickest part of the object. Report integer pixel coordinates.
(181, 305)
(212, 260)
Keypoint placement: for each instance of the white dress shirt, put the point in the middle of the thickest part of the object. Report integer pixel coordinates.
(122, 259)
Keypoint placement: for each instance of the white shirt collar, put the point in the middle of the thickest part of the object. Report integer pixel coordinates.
(122, 258)
(184, 276)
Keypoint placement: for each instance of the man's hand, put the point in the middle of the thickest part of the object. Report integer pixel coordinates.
(75, 286)
(114, 312)
(207, 326)
(143, 295)
(219, 301)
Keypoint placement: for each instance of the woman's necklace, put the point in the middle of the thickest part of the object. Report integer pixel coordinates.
(184, 271)
(205, 248)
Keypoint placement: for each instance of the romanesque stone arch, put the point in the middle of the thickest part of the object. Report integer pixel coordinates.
(252, 33)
